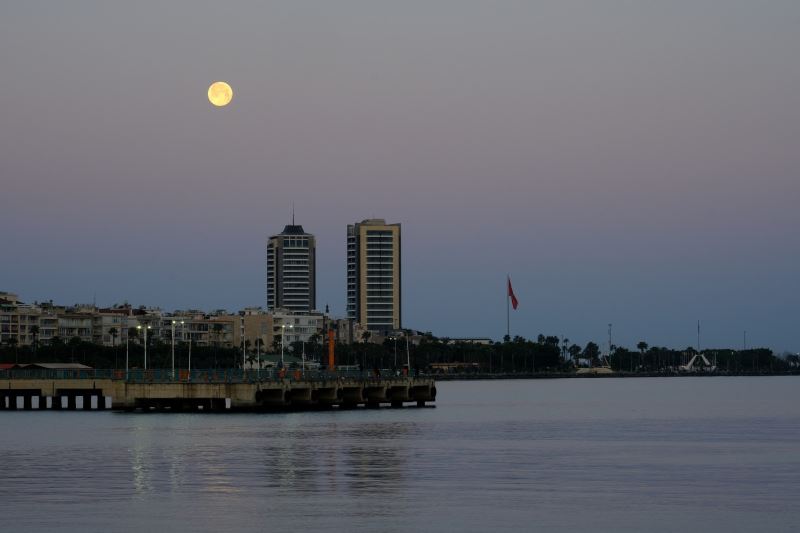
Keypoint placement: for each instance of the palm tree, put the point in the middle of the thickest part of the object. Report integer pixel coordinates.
(365, 338)
(35, 333)
(113, 332)
(592, 352)
(314, 341)
(217, 329)
(575, 352)
(73, 343)
(642, 348)
(12, 343)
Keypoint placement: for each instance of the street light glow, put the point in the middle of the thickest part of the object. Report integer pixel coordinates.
(139, 326)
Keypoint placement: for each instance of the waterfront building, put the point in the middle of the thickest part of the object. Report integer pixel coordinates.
(220, 328)
(251, 328)
(291, 270)
(18, 321)
(298, 327)
(344, 329)
(258, 328)
(76, 322)
(41, 323)
(8, 298)
(201, 329)
(48, 323)
(373, 275)
(484, 341)
(108, 326)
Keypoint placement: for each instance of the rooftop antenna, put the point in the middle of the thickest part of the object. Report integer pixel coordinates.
(292, 212)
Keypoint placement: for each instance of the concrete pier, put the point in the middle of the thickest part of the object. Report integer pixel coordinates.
(277, 394)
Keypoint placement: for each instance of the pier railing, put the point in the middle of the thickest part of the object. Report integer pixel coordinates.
(229, 375)
(42, 373)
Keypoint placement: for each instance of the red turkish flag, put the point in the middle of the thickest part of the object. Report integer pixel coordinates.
(514, 302)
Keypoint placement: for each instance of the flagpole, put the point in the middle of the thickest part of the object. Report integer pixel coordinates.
(508, 308)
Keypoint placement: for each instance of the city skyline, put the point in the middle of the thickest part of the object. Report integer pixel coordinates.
(626, 164)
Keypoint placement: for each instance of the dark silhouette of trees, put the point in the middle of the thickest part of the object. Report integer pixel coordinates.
(517, 355)
(575, 353)
(12, 342)
(592, 353)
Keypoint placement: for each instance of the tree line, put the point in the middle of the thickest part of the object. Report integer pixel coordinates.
(516, 355)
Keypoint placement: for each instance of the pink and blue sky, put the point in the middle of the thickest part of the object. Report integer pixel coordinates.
(630, 162)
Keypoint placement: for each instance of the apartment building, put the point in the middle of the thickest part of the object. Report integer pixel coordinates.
(252, 328)
(297, 327)
(373, 275)
(291, 270)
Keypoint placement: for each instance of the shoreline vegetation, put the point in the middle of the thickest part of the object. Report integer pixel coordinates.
(610, 374)
(443, 358)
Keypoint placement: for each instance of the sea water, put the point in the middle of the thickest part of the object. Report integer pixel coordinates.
(633, 454)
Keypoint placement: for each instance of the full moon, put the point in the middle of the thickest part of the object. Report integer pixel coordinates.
(220, 93)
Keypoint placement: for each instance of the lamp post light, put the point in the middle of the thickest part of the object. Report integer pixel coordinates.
(244, 353)
(127, 351)
(190, 354)
(408, 356)
(145, 328)
(395, 350)
(173, 346)
(283, 339)
(244, 346)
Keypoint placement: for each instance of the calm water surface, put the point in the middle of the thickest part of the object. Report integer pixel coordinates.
(710, 454)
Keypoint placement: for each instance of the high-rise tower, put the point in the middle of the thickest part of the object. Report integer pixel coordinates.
(373, 274)
(291, 270)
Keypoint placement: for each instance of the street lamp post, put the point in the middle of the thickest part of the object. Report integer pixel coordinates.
(127, 351)
(283, 339)
(244, 347)
(408, 356)
(145, 342)
(190, 353)
(395, 351)
(173, 349)
(173, 346)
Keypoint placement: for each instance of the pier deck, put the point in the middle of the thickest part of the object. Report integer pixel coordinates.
(208, 391)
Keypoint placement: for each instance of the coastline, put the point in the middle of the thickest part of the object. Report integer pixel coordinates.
(573, 375)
